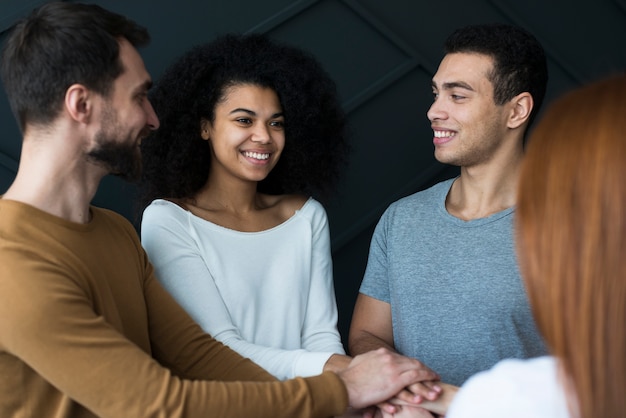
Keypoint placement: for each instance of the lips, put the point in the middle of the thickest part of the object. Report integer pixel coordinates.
(256, 155)
(442, 136)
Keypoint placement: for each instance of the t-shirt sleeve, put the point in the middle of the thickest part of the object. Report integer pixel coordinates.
(375, 282)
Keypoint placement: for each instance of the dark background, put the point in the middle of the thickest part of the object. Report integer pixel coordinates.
(382, 54)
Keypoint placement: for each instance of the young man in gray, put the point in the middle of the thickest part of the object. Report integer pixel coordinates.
(442, 283)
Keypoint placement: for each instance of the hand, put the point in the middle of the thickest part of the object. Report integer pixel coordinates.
(412, 396)
(442, 403)
(401, 412)
(378, 375)
(438, 406)
(419, 391)
(408, 412)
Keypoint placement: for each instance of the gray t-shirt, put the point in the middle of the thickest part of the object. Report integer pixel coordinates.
(457, 300)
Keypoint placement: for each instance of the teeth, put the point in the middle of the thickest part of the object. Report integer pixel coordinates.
(443, 134)
(256, 155)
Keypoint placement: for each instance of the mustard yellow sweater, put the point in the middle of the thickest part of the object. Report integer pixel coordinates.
(86, 330)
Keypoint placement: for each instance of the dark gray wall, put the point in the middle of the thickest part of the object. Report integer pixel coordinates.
(382, 55)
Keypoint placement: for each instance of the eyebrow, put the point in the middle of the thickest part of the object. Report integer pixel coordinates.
(252, 113)
(145, 86)
(453, 85)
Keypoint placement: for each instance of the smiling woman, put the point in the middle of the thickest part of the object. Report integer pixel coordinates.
(250, 131)
(246, 136)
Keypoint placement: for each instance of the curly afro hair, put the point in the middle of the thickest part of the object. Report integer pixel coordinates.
(176, 159)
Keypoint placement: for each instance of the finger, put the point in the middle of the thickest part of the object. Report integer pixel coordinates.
(387, 407)
(433, 385)
(420, 371)
(368, 413)
(416, 376)
(427, 390)
(427, 370)
(406, 397)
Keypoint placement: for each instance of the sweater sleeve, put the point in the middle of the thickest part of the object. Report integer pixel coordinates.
(320, 334)
(175, 343)
(170, 327)
(49, 326)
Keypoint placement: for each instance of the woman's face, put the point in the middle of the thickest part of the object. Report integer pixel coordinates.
(248, 133)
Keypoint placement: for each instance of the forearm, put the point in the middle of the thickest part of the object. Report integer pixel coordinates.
(363, 341)
(337, 362)
(371, 326)
(181, 344)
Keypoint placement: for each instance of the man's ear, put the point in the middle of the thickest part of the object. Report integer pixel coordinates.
(79, 102)
(522, 106)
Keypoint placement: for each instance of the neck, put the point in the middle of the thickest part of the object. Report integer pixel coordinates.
(55, 178)
(231, 195)
(486, 189)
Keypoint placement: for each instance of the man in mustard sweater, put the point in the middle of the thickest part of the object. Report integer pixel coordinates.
(85, 329)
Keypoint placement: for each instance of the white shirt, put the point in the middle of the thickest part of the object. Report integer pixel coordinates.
(268, 295)
(512, 389)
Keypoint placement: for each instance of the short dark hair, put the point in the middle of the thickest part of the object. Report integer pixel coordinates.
(60, 44)
(176, 160)
(519, 59)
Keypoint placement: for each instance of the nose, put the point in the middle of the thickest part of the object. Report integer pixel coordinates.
(261, 134)
(152, 118)
(436, 110)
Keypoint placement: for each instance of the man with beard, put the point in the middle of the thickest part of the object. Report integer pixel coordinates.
(123, 158)
(120, 159)
(85, 328)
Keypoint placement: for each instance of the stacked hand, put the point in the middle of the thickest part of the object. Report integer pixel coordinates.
(400, 386)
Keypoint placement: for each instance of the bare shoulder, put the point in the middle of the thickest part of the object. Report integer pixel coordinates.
(286, 204)
(176, 201)
(294, 202)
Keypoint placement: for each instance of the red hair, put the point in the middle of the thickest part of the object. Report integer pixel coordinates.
(571, 241)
